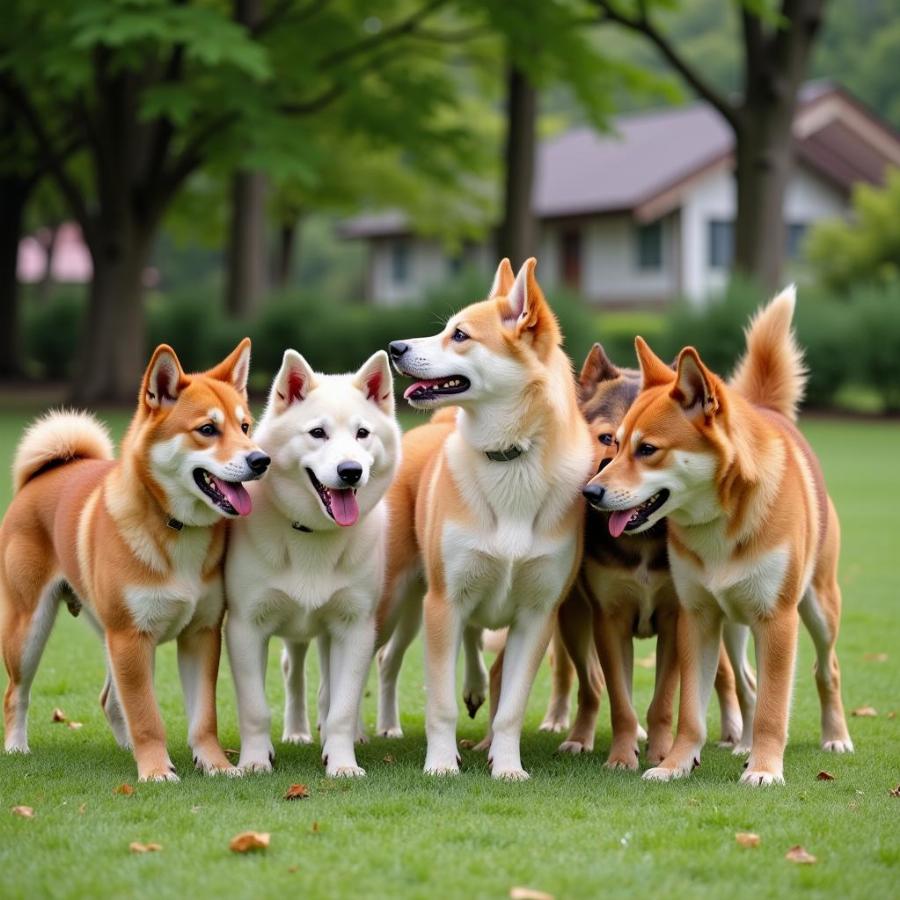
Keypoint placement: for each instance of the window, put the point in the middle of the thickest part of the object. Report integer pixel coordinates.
(796, 234)
(721, 244)
(649, 247)
(400, 262)
(570, 241)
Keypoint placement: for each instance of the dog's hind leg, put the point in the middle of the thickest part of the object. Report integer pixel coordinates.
(735, 638)
(660, 711)
(112, 709)
(28, 607)
(475, 679)
(562, 669)
(296, 718)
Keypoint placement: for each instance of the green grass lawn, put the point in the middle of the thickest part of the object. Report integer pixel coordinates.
(573, 830)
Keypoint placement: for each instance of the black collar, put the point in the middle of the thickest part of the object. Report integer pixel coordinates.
(298, 527)
(507, 455)
(174, 524)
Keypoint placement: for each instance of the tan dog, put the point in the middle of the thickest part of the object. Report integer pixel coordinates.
(753, 536)
(489, 503)
(137, 543)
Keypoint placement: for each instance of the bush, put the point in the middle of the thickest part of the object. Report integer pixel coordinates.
(52, 331)
(875, 349)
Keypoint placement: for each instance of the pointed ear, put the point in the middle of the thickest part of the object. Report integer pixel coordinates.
(653, 370)
(503, 280)
(164, 379)
(235, 368)
(597, 367)
(375, 381)
(294, 381)
(695, 387)
(528, 307)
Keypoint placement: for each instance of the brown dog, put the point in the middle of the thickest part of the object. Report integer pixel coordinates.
(137, 543)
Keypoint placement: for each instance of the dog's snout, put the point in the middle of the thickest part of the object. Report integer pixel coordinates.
(397, 349)
(258, 462)
(349, 472)
(593, 493)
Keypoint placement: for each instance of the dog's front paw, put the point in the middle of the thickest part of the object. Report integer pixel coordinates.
(395, 731)
(556, 720)
(839, 746)
(257, 765)
(622, 759)
(442, 765)
(352, 771)
(740, 749)
(641, 733)
(761, 778)
(159, 774)
(499, 773)
(18, 747)
(300, 738)
(667, 773)
(573, 747)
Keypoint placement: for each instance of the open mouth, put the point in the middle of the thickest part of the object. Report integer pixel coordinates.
(628, 519)
(229, 496)
(432, 388)
(339, 503)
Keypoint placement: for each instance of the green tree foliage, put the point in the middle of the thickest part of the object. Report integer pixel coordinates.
(847, 254)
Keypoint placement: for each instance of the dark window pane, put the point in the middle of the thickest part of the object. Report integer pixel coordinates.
(721, 244)
(400, 262)
(649, 246)
(796, 232)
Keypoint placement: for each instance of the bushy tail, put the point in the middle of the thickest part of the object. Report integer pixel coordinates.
(771, 372)
(56, 438)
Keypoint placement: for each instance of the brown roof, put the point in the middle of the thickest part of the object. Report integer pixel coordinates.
(644, 164)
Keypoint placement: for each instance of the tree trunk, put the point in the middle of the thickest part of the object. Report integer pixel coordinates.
(14, 192)
(46, 283)
(287, 252)
(113, 345)
(246, 276)
(517, 235)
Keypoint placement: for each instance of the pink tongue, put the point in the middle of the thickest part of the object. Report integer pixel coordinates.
(344, 506)
(618, 520)
(417, 385)
(237, 495)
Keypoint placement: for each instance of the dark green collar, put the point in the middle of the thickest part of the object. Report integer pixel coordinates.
(298, 527)
(507, 455)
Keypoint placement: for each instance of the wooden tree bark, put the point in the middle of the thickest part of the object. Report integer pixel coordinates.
(288, 243)
(14, 193)
(517, 236)
(246, 280)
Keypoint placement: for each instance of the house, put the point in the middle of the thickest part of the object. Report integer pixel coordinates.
(645, 214)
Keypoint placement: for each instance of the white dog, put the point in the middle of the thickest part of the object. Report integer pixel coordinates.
(309, 563)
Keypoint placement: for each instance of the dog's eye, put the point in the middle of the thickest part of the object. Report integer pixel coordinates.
(245, 427)
(646, 450)
(606, 439)
(317, 433)
(208, 430)
(362, 434)
(459, 336)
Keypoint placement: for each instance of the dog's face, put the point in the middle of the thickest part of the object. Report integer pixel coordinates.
(192, 435)
(491, 350)
(669, 448)
(333, 440)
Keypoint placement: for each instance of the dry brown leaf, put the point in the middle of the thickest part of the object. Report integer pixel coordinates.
(315, 827)
(895, 792)
(126, 790)
(646, 662)
(26, 812)
(892, 715)
(138, 847)
(74, 725)
(466, 744)
(297, 792)
(293, 869)
(388, 758)
(865, 712)
(526, 893)
(59, 716)
(875, 657)
(81, 809)
(247, 841)
(798, 854)
(824, 776)
(747, 839)
(229, 752)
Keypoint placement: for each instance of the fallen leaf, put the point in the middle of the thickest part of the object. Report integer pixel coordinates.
(74, 725)
(388, 758)
(247, 841)
(525, 893)
(864, 712)
(646, 662)
(892, 715)
(875, 657)
(466, 744)
(315, 827)
(26, 812)
(229, 752)
(895, 792)
(81, 809)
(824, 776)
(798, 854)
(126, 790)
(747, 839)
(138, 847)
(59, 716)
(196, 809)
(297, 792)
(293, 869)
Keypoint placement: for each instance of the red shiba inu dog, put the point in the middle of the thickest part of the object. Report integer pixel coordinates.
(487, 505)
(753, 536)
(137, 544)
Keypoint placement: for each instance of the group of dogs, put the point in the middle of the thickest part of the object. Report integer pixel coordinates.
(577, 513)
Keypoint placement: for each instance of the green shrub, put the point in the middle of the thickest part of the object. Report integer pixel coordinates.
(875, 350)
(52, 331)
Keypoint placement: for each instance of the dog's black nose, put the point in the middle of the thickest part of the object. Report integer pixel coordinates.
(349, 472)
(593, 493)
(258, 462)
(397, 348)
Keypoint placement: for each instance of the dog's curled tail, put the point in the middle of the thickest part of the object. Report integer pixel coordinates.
(56, 438)
(771, 372)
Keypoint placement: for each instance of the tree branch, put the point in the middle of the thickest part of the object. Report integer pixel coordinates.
(314, 104)
(641, 24)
